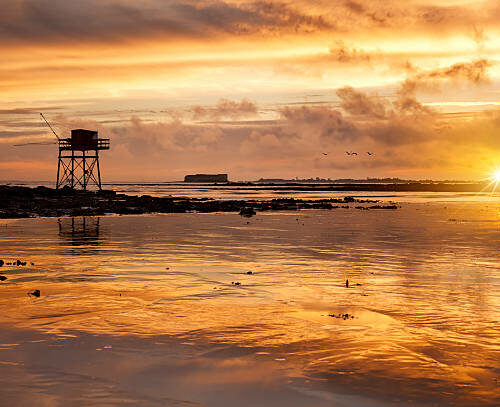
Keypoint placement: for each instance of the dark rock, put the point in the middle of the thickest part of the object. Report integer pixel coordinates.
(247, 212)
(383, 207)
(249, 272)
(23, 202)
(1, 263)
(3, 278)
(35, 293)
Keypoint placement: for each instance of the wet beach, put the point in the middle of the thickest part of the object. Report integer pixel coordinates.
(218, 309)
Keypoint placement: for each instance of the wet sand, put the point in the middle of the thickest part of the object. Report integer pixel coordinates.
(144, 310)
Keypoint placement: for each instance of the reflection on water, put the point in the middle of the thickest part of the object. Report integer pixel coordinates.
(82, 232)
(424, 292)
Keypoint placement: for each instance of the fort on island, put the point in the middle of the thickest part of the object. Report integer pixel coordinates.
(206, 178)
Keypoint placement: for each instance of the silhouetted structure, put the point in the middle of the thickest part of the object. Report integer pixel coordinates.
(206, 178)
(79, 159)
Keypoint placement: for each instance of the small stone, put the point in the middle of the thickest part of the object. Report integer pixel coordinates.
(1, 263)
(249, 272)
(35, 293)
(3, 278)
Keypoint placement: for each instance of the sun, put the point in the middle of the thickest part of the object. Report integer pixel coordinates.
(494, 178)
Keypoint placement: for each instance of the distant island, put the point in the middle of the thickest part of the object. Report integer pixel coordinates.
(206, 178)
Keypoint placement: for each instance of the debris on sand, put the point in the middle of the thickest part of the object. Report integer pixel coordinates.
(1, 263)
(35, 293)
(347, 283)
(235, 283)
(341, 316)
(249, 272)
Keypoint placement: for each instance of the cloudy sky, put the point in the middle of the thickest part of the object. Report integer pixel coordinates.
(254, 88)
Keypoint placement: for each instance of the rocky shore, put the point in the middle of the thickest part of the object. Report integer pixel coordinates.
(24, 202)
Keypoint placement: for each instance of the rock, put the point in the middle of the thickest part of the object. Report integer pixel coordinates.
(35, 293)
(1, 263)
(3, 278)
(249, 272)
(347, 283)
(247, 212)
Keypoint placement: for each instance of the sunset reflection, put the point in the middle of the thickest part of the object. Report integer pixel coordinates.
(422, 303)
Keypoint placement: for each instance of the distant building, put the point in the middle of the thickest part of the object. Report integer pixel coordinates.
(206, 178)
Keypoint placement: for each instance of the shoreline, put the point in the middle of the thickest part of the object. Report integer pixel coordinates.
(26, 202)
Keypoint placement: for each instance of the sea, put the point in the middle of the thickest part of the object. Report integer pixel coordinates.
(313, 308)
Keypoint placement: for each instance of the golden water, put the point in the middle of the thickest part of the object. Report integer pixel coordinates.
(424, 292)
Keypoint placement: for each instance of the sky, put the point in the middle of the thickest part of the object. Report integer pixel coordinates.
(273, 89)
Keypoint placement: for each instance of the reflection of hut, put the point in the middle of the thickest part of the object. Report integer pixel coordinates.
(80, 231)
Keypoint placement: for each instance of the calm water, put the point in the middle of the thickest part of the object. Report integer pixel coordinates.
(142, 310)
(189, 190)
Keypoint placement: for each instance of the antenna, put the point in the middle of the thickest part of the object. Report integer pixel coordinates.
(48, 124)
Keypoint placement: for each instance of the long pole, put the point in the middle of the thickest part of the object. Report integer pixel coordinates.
(84, 172)
(58, 169)
(48, 124)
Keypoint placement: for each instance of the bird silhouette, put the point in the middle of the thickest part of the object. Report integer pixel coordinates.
(369, 153)
(325, 153)
(354, 153)
(348, 153)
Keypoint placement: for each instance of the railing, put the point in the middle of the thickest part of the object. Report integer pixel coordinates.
(96, 144)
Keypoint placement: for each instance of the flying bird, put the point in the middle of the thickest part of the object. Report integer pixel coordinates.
(325, 153)
(348, 153)
(369, 153)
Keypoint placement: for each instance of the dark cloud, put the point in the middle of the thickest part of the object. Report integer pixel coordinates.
(60, 21)
(225, 109)
(358, 103)
(109, 20)
(475, 72)
(13, 133)
(344, 54)
(29, 110)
